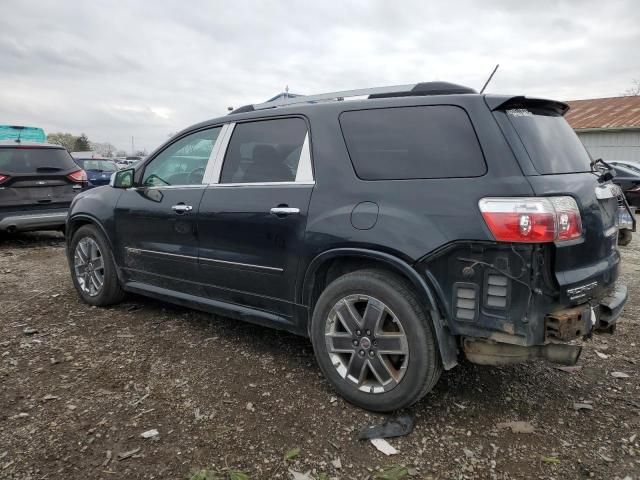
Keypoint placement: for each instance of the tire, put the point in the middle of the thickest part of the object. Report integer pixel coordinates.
(624, 237)
(415, 373)
(111, 291)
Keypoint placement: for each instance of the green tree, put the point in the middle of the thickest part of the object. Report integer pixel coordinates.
(82, 144)
(67, 140)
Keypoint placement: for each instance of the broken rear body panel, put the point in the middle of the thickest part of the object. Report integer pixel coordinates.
(534, 294)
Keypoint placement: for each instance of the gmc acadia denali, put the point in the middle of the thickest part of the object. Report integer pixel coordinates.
(400, 228)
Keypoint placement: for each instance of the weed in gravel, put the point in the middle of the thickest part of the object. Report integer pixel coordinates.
(291, 454)
(396, 472)
(216, 475)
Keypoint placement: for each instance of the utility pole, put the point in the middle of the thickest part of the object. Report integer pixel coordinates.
(133, 151)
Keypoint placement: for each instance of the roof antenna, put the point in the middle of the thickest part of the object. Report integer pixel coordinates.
(489, 79)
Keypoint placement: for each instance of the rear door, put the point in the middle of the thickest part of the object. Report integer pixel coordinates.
(253, 215)
(37, 177)
(155, 222)
(556, 163)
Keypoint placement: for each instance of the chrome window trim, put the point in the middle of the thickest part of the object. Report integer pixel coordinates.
(164, 147)
(304, 178)
(168, 187)
(216, 168)
(134, 250)
(305, 171)
(262, 184)
(209, 172)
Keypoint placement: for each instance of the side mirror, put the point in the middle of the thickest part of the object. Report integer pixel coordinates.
(122, 178)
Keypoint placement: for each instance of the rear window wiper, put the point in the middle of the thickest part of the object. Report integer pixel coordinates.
(607, 175)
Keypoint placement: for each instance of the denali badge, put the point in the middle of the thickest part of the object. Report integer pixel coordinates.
(581, 291)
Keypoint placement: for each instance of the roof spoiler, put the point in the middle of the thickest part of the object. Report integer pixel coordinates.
(505, 102)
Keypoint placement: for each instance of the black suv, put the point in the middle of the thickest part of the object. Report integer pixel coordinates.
(399, 231)
(37, 183)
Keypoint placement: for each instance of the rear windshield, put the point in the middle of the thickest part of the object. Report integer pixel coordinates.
(98, 165)
(35, 160)
(549, 140)
(435, 141)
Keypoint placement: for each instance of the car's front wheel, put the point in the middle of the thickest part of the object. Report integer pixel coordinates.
(374, 342)
(93, 269)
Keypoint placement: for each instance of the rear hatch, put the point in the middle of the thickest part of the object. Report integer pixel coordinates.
(37, 177)
(556, 163)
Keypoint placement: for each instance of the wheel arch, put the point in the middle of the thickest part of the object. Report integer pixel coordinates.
(331, 264)
(81, 219)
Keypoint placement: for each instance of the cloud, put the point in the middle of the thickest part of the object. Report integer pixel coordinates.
(117, 69)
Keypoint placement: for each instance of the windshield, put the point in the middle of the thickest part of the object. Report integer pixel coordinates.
(550, 142)
(626, 171)
(628, 166)
(35, 160)
(99, 165)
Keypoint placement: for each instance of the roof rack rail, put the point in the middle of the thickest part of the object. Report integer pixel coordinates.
(414, 89)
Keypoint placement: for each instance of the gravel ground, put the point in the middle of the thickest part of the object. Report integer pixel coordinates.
(79, 385)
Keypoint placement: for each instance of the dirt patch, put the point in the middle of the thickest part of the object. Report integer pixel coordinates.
(79, 385)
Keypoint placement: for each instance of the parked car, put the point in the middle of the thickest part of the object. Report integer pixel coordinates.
(99, 170)
(37, 183)
(399, 232)
(635, 166)
(628, 178)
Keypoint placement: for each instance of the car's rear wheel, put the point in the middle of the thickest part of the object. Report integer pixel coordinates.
(93, 269)
(374, 342)
(624, 237)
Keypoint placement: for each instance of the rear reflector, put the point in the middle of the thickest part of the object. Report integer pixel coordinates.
(79, 176)
(532, 219)
(3, 178)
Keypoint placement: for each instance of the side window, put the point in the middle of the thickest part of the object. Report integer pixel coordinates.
(265, 151)
(412, 142)
(183, 162)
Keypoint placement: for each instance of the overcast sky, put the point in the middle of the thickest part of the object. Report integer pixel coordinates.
(113, 69)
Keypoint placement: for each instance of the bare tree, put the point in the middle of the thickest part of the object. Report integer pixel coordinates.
(67, 140)
(104, 149)
(634, 90)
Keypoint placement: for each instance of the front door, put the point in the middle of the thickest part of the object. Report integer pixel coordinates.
(156, 222)
(252, 219)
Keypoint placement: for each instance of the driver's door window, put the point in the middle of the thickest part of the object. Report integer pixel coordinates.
(183, 162)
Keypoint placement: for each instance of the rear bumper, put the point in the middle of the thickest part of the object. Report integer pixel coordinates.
(33, 220)
(610, 308)
(561, 326)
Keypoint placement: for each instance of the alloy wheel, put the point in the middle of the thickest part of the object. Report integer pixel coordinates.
(88, 264)
(367, 343)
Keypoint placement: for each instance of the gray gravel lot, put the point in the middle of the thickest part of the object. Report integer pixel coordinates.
(79, 385)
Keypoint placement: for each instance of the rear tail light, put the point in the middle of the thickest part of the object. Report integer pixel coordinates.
(79, 176)
(532, 220)
(3, 178)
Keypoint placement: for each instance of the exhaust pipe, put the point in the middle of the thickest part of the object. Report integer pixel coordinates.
(487, 352)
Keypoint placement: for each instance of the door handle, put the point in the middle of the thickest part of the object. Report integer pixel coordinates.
(181, 208)
(283, 211)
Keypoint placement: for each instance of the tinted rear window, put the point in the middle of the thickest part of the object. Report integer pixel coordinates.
(98, 165)
(35, 160)
(550, 142)
(412, 142)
